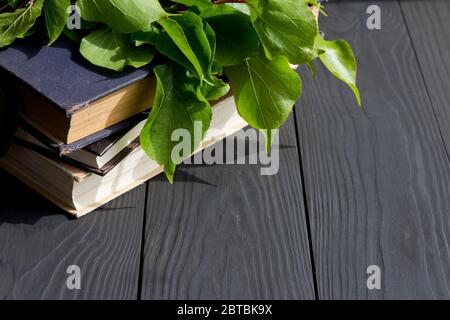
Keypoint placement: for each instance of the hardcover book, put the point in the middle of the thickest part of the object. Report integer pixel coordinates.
(97, 143)
(68, 99)
(80, 192)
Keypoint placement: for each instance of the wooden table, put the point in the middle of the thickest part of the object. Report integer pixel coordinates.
(355, 188)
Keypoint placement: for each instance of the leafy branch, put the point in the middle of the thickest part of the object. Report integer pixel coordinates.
(204, 49)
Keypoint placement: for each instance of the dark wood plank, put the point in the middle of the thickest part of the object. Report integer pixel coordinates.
(225, 232)
(377, 179)
(429, 24)
(38, 242)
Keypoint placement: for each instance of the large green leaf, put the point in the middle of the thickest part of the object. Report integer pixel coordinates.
(286, 28)
(56, 15)
(212, 87)
(265, 90)
(236, 37)
(339, 59)
(123, 16)
(105, 48)
(15, 24)
(178, 105)
(185, 40)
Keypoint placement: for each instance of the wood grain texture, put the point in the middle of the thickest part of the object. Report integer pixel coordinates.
(38, 242)
(376, 179)
(429, 24)
(226, 232)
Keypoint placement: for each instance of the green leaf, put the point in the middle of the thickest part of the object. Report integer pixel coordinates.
(211, 36)
(178, 105)
(122, 16)
(269, 134)
(56, 15)
(236, 37)
(73, 35)
(339, 59)
(185, 41)
(312, 68)
(29, 33)
(265, 90)
(145, 37)
(201, 4)
(16, 24)
(241, 7)
(105, 48)
(286, 28)
(190, 42)
(214, 89)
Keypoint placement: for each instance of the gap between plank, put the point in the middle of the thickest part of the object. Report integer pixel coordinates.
(419, 65)
(142, 256)
(305, 201)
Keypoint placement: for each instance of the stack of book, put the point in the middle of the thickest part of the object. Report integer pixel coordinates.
(77, 141)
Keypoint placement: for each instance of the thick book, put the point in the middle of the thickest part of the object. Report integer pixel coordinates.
(80, 192)
(100, 153)
(99, 157)
(69, 99)
(96, 155)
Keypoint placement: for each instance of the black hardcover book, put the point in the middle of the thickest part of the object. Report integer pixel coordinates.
(104, 170)
(66, 97)
(97, 143)
(62, 75)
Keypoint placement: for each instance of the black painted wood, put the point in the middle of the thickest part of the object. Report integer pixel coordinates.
(429, 24)
(376, 182)
(38, 242)
(376, 179)
(226, 232)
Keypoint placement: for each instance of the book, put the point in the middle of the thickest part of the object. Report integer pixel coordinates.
(68, 99)
(99, 157)
(100, 153)
(104, 170)
(80, 192)
(96, 143)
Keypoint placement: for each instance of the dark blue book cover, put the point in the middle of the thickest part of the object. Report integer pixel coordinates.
(62, 75)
